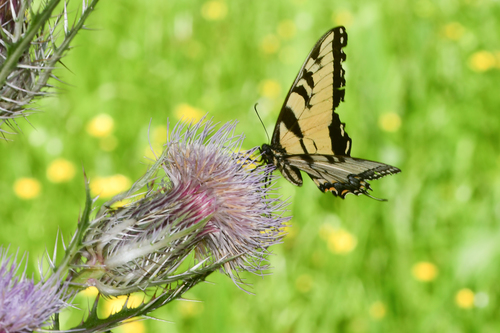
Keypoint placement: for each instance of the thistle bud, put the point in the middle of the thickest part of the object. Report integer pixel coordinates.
(9, 11)
(214, 202)
(33, 41)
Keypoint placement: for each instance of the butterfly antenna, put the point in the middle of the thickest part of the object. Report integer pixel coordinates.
(257, 112)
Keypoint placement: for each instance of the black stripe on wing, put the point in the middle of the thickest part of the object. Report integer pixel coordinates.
(341, 142)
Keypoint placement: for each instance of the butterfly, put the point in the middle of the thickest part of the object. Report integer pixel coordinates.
(309, 135)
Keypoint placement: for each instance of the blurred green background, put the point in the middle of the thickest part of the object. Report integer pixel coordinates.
(423, 80)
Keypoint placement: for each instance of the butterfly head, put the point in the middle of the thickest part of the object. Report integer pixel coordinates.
(272, 156)
(268, 155)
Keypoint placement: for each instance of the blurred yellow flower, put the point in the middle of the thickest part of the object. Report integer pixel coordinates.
(114, 305)
(304, 283)
(424, 271)
(190, 308)
(100, 126)
(188, 113)
(133, 327)
(482, 61)
(90, 292)
(453, 30)
(60, 171)
(270, 44)
(342, 17)
(27, 188)
(377, 310)
(124, 202)
(108, 143)
(270, 88)
(464, 298)
(341, 241)
(214, 10)
(389, 122)
(287, 29)
(106, 187)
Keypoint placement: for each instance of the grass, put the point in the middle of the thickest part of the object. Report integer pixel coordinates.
(433, 65)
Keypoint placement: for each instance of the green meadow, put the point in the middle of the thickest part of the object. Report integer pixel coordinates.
(422, 93)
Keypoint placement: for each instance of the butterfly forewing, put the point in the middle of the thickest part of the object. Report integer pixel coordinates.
(312, 99)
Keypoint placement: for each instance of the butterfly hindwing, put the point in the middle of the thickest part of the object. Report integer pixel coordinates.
(309, 135)
(341, 174)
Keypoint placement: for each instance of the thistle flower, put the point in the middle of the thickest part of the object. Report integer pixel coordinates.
(246, 219)
(30, 48)
(24, 305)
(214, 202)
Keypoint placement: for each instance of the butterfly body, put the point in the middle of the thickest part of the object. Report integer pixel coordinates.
(309, 135)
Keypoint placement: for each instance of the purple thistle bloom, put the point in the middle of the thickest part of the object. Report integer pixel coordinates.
(215, 202)
(24, 305)
(246, 220)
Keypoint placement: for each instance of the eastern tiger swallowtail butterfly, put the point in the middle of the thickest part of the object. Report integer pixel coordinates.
(309, 136)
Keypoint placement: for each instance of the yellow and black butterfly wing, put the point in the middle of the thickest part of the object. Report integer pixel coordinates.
(307, 123)
(341, 175)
